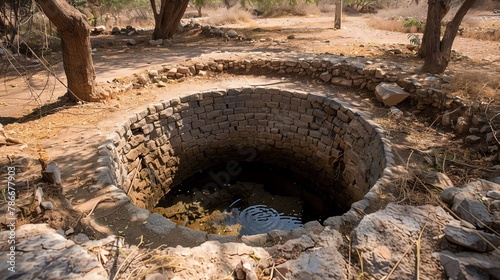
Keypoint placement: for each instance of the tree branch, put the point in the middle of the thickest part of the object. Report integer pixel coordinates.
(452, 26)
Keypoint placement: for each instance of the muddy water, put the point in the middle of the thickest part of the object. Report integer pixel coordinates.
(241, 198)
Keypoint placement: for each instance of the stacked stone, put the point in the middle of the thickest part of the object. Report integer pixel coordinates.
(392, 84)
(337, 70)
(168, 142)
(477, 204)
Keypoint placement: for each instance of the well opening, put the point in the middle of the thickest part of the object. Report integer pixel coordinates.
(322, 144)
(247, 197)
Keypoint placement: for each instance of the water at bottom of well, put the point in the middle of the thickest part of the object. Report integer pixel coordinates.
(259, 199)
(257, 219)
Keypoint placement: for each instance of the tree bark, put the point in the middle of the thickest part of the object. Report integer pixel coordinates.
(435, 7)
(436, 51)
(338, 14)
(167, 17)
(76, 49)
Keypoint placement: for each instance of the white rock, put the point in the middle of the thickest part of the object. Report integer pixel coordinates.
(53, 170)
(153, 73)
(39, 195)
(396, 112)
(493, 194)
(231, 33)
(156, 42)
(390, 94)
(131, 42)
(403, 224)
(100, 28)
(47, 205)
(315, 265)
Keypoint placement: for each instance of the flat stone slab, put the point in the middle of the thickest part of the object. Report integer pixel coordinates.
(472, 239)
(41, 253)
(390, 94)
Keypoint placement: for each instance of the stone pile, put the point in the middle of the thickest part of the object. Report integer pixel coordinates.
(98, 30)
(341, 71)
(478, 205)
(473, 127)
(214, 31)
(188, 26)
(392, 84)
(129, 31)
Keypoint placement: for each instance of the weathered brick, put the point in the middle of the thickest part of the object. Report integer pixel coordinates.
(213, 114)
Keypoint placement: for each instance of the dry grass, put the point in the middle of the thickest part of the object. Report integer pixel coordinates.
(475, 85)
(487, 35)
(394, 25)
(473, 29)
(301, 9)
(418, 11)
(234, 15)
(327, 8)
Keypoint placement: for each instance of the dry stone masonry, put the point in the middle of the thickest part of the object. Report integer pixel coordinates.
(391, 83)
(358, 72)
(317, 137)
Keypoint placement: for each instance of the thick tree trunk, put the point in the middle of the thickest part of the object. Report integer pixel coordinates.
(432, 33)
(167, 17)
(436, 7)
(76, 50)
(437, 52)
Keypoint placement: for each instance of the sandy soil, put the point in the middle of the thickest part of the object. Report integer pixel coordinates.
(314, 34)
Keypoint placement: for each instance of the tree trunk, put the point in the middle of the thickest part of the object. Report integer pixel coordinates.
(437, 52)
(436, 7)
(76, 50)
(338, 14)
(167, 17)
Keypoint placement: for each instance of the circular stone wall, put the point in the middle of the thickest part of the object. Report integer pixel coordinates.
(338, 149)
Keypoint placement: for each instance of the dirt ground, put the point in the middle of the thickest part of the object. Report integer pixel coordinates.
(35, 110)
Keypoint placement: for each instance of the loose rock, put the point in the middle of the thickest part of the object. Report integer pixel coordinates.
(467, 265)
(472, 239)
(156, 42)
(390, 94)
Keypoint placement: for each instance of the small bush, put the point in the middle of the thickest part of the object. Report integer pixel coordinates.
(414, 39)
(414, 22)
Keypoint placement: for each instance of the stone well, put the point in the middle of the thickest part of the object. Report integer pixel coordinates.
(340, 150)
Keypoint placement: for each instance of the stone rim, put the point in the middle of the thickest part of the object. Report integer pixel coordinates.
(108, 158)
